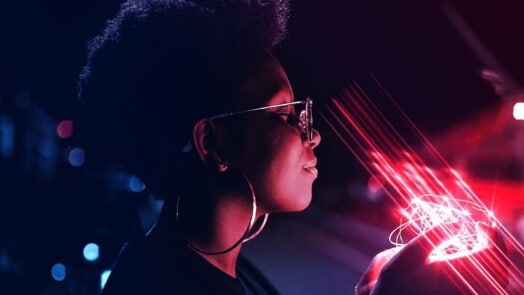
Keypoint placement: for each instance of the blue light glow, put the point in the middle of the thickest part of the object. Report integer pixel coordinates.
(136, 185)
(46, 148)
(91, 252)
(58, 272)
(103, 278)
(7, 136)
(76, 157)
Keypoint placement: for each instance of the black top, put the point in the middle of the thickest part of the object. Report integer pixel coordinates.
(161, 264)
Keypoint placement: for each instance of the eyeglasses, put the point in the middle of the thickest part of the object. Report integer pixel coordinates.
(305, 117)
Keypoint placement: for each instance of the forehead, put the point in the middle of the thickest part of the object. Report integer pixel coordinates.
(265, 83)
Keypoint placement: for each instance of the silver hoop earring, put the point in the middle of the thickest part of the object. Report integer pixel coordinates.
(253, 214)
(245, 237)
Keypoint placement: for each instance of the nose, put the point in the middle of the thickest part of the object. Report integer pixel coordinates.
(315, 140)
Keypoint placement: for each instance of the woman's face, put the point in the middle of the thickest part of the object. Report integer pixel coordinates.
(273, 152)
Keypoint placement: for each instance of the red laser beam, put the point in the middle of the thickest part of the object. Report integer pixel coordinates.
(427, 189)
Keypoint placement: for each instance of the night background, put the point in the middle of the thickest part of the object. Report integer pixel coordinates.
(55, 198)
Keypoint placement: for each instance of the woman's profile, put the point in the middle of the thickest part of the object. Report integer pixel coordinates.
(189, 97)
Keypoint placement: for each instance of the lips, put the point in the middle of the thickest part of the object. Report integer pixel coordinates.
(310, 167)
(311, 170)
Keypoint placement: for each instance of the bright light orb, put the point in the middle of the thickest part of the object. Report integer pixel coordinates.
(91, 252)
(518, 111)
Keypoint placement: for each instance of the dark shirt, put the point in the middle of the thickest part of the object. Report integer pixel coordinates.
(161, 264)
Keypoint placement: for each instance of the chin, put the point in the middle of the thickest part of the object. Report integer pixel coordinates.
(288, 201)
(301, 203)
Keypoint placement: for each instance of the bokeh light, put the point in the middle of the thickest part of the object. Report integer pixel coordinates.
(518, 111)
(76, 157)
(91, 252)
(58, 272)
(136, 185)
(64, 129)
(7, 136)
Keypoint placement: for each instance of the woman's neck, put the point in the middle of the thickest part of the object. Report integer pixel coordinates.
(217, 232)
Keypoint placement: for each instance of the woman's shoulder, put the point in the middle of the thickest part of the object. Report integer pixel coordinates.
(160, 263)
(136, 271)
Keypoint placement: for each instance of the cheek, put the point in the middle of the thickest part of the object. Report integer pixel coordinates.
(281, 181)
(291, 190)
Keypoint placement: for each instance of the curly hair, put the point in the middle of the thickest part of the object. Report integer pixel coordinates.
(160, 65)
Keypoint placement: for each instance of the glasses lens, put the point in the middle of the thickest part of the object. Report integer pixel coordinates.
(309, 119)
(306, 118)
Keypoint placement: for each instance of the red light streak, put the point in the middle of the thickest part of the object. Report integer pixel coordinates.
(429, 195)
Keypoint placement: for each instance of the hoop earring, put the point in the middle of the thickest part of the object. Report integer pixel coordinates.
(245, 237)
(223, 166)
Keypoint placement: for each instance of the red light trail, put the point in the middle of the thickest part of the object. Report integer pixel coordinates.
(428, 191)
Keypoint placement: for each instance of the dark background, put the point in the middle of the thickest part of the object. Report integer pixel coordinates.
(50, 209)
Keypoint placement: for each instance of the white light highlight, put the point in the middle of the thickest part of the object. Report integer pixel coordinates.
(518, 111)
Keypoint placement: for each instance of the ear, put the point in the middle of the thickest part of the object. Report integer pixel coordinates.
(205, 134)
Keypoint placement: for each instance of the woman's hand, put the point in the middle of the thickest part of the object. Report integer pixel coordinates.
(406, 270)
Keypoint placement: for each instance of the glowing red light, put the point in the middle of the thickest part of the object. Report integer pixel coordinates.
(430, 195)
(518, 111)
(428, 211)
(461, 245)
(65, 129)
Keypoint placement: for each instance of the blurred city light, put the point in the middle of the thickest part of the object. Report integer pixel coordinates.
(91, 252)
(118, 179)
(64, 129)
(518, 111)
(136, 185)
(58, 272)
(46, 148)
(38, 147)
(7, 136)
(76, 157)
(103, 278)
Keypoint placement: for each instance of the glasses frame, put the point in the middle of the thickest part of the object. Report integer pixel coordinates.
(305, 118)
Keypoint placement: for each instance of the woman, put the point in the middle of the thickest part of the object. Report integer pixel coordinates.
(187, 95)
